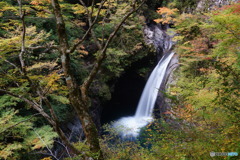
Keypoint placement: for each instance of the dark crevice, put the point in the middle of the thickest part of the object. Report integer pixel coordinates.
(127, 92)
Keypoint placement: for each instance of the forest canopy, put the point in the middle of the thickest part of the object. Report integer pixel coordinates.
(60, 59)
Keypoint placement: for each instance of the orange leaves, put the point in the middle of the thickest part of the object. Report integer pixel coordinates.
(81, 49)
(204, 70)
(37, 146)
(168, 15)
(35, 140)
(167, 11)
(167, 113)
(35, 3)
(79, 23)
(47, 158)
(208, 70)
(83, 52)
(39, 2)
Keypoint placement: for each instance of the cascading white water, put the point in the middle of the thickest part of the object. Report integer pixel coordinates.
(130, 126)
(150, 92)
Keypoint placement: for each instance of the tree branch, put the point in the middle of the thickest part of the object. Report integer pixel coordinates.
(65, 148)
(40, 10)
(22, 15)
(89, 29)
(12, 64)
(88, 81)
(47, 48)
(89, 15)
(20, 122)
(34, 105)
(54, 123)
(43, 47)
(49, 150)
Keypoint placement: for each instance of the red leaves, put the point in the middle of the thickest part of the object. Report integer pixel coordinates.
(236, 8)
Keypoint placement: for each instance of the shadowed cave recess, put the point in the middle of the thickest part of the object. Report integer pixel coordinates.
(127, 92)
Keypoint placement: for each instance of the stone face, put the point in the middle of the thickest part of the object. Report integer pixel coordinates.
(157, 36)
(204, 5)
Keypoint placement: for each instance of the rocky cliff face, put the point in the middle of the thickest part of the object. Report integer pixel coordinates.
(204, 5)
(163, 103)
(157, 36)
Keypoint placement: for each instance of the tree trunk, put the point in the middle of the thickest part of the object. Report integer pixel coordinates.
(78, 96)
(81, 105)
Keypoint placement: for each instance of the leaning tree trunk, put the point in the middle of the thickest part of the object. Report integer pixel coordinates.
(80, 105)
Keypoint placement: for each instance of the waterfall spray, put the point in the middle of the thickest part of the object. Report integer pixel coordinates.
(131, 126)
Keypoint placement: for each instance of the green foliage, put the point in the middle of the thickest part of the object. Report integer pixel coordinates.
(21, 132)
(84, 148)
(205, 100)
(41, 137)
(18, 135)
(183, 5)
(226, 26)
(103, 30)
(207, 86)
(60, 99)
(101, 89)
(115, 148)
(7, 100)
(114, 61)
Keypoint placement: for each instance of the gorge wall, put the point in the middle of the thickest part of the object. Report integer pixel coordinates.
(156, 35)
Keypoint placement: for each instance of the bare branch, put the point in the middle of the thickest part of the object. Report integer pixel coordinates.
(65, 148)
(18, 18)
(92, 8)
(56, 125)
(46, 47)
(11, 63)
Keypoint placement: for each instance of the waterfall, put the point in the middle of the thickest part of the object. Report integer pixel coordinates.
(130, 126)
(151, 89)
